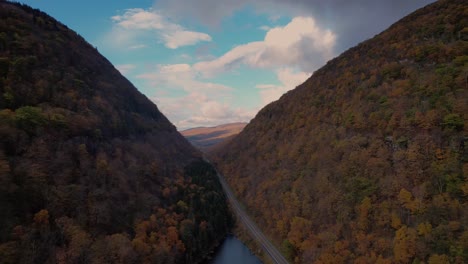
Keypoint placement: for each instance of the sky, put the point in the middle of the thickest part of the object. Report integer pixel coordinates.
(211, 62)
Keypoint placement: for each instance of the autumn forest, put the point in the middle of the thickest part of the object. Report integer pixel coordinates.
(365, 162)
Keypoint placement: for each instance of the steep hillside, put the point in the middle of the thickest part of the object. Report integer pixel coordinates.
(90, 170)
(367, 161)
(205, 138)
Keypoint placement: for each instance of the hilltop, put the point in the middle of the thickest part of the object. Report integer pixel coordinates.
(206, 138)
(367, 161)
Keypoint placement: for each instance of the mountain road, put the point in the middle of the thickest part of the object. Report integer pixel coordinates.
(255, 232)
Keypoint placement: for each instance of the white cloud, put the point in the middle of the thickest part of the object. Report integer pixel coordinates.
(353, 21)
(138, 18)
(177, 39)
(301, 43)
(137, 22)
(197, 103)
(289, 80)
(293, 51)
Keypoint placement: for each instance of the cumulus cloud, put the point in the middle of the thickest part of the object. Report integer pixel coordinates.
(189, 99)
(352, 21)
(194, 110)
(204, 103)
(318, 31)
(197, 103)
(300, 43)
(288, 78)
(136, 22)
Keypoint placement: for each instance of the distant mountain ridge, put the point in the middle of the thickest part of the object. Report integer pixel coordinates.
(367, 160)
(90, 170)
(206, 138)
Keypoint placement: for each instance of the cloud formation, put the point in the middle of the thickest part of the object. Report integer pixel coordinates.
(301, 43)
(197, 103)
(318, 31)
(293, 51)
(352, 21)
(137, 21)
(289, 80)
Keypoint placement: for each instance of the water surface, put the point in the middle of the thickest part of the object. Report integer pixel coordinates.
(233, 251)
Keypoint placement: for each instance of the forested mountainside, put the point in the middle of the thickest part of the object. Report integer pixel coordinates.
(207, 138)
(367, 161)
(90, 170)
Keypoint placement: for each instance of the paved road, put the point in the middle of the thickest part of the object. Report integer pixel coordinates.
(256, 233)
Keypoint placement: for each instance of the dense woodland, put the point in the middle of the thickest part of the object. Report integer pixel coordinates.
(367, 161)
(90, 170)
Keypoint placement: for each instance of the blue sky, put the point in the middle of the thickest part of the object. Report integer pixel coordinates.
(210, 62)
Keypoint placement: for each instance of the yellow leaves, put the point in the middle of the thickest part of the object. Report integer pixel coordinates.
(382, 216)
(41, 218)
(400, 88)
(427, 120)
(341, 246)
(404, 244)
(439, 259)
(383, 244)
(424, 229)
(182, 206)
(396, 221)
(406, 200)
(79, 240)
(363, 211)
(328, 258)
(363, 241)
(414, 153)
(440, 154)
(365, 206)
(300, 228)
(464, 188)
(282, 227)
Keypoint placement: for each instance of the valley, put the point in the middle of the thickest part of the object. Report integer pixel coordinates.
(364, 162)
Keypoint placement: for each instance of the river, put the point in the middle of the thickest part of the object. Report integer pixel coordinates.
(233, 251)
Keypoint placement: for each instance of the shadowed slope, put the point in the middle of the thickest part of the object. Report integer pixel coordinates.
(90, 170)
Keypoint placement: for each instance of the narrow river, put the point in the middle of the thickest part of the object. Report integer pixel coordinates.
(233, 251)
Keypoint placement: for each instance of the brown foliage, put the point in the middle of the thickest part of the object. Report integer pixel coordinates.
(371, 150)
